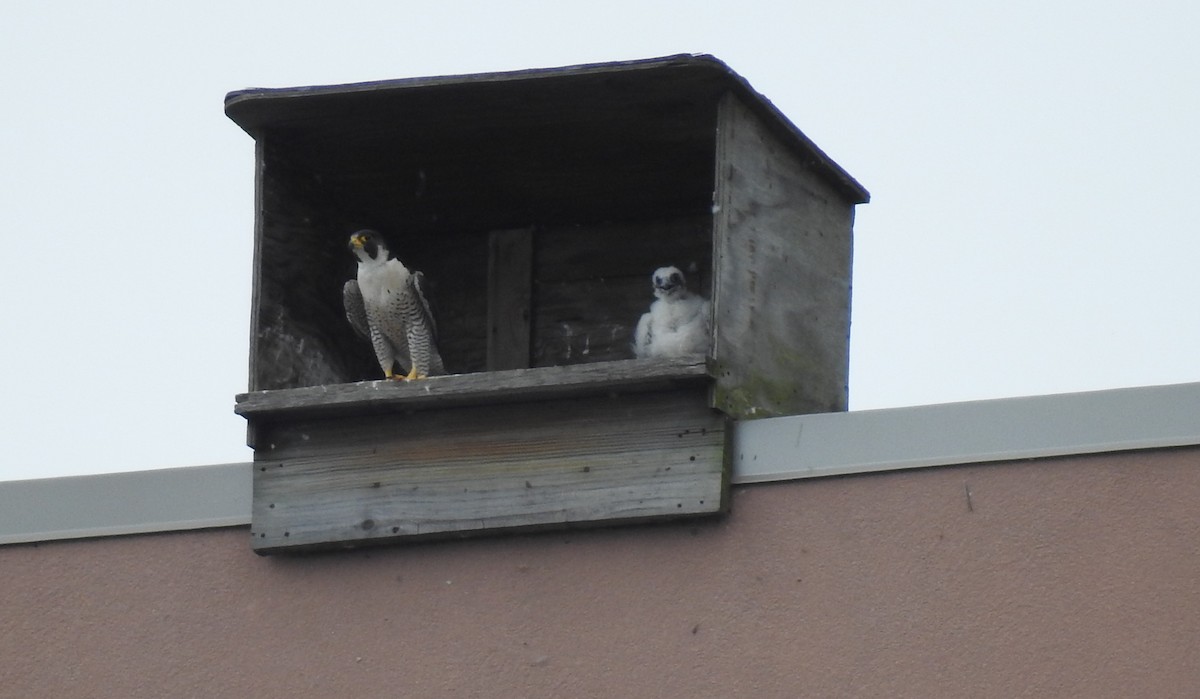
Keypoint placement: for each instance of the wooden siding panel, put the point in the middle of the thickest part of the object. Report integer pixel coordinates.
(782, 260)
(484, 388)
(370, 479)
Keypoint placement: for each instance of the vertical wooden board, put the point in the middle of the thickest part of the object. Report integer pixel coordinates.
(782, 263)
(255, 381)
(510, 292)
(367, 479)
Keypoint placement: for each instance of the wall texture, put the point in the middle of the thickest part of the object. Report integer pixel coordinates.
(1065, 577)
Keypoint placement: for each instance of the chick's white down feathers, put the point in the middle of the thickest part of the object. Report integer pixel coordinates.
(677, 323)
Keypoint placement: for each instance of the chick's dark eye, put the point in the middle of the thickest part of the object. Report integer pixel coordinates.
(675, 278)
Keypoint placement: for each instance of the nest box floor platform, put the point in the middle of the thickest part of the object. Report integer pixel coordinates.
(372, 462)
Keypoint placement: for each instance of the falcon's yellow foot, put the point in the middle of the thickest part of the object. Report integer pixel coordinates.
(413, 375)
(390, 375)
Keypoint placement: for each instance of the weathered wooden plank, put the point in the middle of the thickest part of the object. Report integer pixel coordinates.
(256, 379)
(627, 248)
(782, 249)
(587, 320)
(510, 298)
(599, 459)
(481, 388)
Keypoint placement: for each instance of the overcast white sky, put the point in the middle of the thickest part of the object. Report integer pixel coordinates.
(1032, 167)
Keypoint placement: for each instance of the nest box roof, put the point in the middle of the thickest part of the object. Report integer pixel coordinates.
(660, 92)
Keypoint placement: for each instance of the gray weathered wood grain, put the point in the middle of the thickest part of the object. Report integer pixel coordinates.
(510, 298)
(596, 459)
(782, 261)
(480, 388)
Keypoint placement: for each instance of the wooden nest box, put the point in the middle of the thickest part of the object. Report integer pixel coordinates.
(537, 204)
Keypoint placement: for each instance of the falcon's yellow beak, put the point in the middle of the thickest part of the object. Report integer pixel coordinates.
(356, 240)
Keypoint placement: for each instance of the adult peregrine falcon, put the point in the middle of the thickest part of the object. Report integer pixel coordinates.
(677, 323)
(386, 304)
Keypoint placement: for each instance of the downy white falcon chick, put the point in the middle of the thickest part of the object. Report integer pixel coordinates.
(677, 323)
(386, 304)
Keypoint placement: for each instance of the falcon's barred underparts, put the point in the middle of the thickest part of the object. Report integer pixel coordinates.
(386, 303)
(677, 323)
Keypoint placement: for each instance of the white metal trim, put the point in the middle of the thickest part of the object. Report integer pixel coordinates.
(772, 449)
(828, 444)
(135, 502)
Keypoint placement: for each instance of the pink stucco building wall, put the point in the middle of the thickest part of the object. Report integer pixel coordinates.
(1066, 577)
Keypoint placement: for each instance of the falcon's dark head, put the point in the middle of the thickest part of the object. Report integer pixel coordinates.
(668, 281)
(368, 245)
